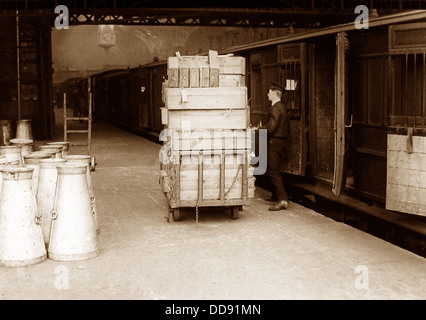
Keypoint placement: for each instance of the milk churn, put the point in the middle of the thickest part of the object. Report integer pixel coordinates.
(12, 152)
(21, 239)
(6, 132)
(63, 144)
(56, 149)
(84, 160)
(24, 129)
(51, 154)
(32, 161)
(46, 191)
(73, 233)
(26, 145)
(6, 162)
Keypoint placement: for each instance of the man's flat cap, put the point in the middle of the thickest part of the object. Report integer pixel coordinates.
(276, 86)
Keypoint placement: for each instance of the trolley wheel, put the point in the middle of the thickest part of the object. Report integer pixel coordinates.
(176, 214)
(92, 163)
(235, 211)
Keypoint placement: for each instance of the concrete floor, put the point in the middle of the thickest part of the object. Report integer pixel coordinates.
(296, 254)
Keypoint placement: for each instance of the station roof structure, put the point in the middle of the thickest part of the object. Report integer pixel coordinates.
(230, 13)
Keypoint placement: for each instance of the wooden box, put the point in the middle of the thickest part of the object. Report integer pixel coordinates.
(204, 71)
(207, 119)
(204, 75)
(210, 140)
(183, 74)
(406, 174)
(232, 80)
(206, 108)
(206, 98)
(194, 74)
(214, 68)
(232, 65)
(207, 155)
(209, 180)
(173, 72)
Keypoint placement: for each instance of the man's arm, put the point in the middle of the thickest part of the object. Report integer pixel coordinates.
(274, 120)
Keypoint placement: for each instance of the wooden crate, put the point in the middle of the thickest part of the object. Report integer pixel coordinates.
(173, 72)
(206, 161)
(233, 178)
(232, 80)
(212, 141)
(232, 65)
(206, 108)
(204, 71)
(207, 119)
(225, 179)
(406, 174)
(205, 98)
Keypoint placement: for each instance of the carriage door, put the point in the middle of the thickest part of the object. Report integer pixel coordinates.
(292, 74)
(406, 152)
(341, 106)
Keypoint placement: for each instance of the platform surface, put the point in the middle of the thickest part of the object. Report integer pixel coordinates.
(292, 254)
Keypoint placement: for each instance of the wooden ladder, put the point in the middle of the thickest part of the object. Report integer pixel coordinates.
(88, 131)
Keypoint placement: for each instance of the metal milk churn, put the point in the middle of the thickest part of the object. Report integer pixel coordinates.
(6, 131)
(25, 144)
(32, 161)
(12, 152)
(21, 239)
(6, 162)
(46, 191)
(73, 233)
(56, 149)
(63, 144)
(84, 160)
(24, 129)
(52, 154)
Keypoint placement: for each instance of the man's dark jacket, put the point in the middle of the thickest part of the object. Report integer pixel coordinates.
(278, 122)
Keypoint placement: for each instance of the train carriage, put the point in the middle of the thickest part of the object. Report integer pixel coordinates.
(131, 98)
(357, 103)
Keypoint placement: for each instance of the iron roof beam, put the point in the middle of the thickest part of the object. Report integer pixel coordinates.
(267, 18)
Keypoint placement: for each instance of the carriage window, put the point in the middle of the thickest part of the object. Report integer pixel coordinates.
(291, 84)
(408, 90)
(290, 78)
(257, 94)
(407, 46)
(291, 58)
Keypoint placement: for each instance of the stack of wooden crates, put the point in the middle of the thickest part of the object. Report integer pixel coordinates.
(205, 159)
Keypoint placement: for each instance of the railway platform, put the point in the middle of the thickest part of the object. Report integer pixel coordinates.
(263, 255)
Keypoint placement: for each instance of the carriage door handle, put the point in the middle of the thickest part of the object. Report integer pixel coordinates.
(349, 125)
(409, 140)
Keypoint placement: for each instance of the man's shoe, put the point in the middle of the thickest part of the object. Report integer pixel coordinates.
(282, 205)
